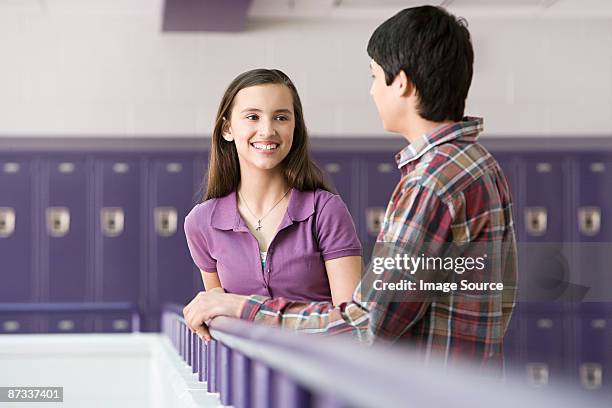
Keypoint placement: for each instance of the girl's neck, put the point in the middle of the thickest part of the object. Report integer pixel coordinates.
(262, 189)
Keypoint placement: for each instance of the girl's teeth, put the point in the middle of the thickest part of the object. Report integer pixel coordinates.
(265, 147)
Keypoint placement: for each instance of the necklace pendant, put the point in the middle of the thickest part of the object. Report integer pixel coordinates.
(258, 227)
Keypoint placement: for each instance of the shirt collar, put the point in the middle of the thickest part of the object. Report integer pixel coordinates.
(301, 205)
(225, 215)
(467, 130)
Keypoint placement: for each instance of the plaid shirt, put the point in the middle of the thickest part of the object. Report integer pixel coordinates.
(451, 190)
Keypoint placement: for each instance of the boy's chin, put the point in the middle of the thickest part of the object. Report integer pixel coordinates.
(388, 128)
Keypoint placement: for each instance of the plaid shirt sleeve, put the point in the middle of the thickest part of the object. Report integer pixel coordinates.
(415, 218)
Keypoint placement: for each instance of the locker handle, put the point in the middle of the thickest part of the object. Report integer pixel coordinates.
(374, 220)
(7, 222)
(11, 168)
(121, 168)
(66, 167)
(165, 221)
(589, 220)
(65, 325)
(58, 221)
(543, 167)
(120, 324)
(598, 323)
(11, 326)
(174, 167)
(537, 374)
(597, 167)
(332, 168)
(112, 221)
(384, 168)
(536, 220)
(591, 375)
(544, 323)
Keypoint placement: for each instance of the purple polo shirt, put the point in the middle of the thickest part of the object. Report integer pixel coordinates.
(316, 227)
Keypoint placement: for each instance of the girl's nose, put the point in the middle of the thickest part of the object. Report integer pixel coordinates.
(266, 128)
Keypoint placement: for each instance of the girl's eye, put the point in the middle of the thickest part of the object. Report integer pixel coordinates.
(282, 117)
(252, 117)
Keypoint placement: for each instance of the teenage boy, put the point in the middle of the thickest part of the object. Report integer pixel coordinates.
(451, 190)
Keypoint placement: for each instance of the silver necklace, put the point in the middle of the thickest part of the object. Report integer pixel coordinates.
(258, 227)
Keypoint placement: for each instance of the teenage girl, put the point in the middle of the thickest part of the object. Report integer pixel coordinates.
(270, 223)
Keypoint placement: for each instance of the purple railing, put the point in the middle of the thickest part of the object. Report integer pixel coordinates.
(256, 366)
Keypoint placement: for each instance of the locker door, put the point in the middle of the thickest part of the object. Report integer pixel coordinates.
(67, 322)
(379, 177)
(593, 366)
(545, 331)
(593, 234)
(118, 236)
(172, 188)
(16, 230)
(591, 225)
(67, 237)
(340, 168)
(544, 265)
(18, 271)
(19, 323)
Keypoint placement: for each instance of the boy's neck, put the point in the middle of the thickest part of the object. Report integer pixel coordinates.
(416, 126)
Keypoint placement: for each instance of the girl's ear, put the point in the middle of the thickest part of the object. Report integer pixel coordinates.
(227, 131)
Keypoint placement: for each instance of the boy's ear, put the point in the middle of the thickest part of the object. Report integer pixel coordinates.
(403, 84)
(227, 131)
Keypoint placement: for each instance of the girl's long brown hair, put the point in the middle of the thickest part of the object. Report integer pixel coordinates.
(299, 170)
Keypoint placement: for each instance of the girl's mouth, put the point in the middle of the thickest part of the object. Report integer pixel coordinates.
(264, 146)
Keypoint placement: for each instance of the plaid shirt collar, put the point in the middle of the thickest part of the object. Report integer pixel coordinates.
(466, 130)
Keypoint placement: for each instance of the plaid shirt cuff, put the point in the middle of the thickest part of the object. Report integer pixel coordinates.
(251, 307)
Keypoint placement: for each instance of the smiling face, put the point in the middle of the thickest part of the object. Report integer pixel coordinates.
(261, 126)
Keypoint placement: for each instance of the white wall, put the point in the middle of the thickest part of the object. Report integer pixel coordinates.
(97, 74)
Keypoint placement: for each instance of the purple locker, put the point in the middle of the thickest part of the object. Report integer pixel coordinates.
(544, 228)
(543, 232)
(70, 323)
(378, 178)
(173, 186)
(544, 194)
(120, 322)
(546, 356)
(19, 323)
(118, 219)
(339, 168)
(593, 234)
(67, 231)
(17, 223)
(590, 224)
(593, 368)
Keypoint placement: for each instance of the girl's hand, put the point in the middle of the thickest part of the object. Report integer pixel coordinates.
(208, 305)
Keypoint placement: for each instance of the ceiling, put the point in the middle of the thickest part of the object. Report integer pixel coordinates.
(341, 9)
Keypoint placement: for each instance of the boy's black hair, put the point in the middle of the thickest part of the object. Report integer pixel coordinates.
(434, 49)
